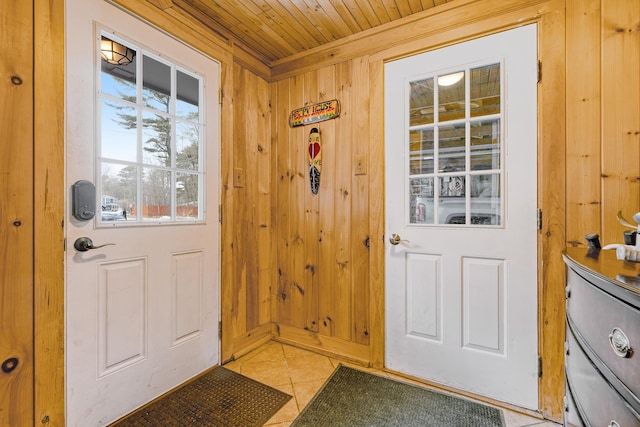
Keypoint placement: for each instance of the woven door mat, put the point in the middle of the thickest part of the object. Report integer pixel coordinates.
(353, 398)
(218, 398)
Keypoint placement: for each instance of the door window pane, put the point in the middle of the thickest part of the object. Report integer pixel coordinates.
(156, 191)
(119, 135)
(118, 198)
(188, 96)
(421, 152)
(156, 88)
(485, 145)
(421, 102)
(485, 90)
(451, 96)
(421, 201)
(452, 148)
(156, 139)
(486, 203)
(117, 78)
(187, 193)
(187, 145)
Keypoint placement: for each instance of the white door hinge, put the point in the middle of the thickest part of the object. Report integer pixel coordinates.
(219, 329)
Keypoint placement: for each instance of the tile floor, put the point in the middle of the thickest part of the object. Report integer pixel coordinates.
(301, 373)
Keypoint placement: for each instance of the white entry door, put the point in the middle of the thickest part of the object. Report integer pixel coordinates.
(461, 217)
(142, 120)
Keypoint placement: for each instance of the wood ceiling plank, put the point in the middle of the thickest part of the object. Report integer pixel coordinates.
(219, 13)
(336, 10)
(266, 41)
(276, 11)
(392, 9)
(380, 10)
(161, 4)
(230, 26)
(254, 30)
(427, 4)
(203, 16)
(299, 10)
(285, 31)
(404, 8)
(416, 6)
(319, 17)
(356, 10)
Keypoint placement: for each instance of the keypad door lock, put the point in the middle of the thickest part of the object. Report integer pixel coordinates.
(83, 195)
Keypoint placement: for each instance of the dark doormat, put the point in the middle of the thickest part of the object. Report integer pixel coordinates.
(218, 398)
(355, 398)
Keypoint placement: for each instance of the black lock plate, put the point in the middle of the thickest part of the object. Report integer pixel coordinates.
(83, 194)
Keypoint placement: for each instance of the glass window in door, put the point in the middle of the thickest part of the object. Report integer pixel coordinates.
(150, 150)
(455, 157)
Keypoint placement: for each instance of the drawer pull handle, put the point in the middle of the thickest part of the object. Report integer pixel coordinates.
(620, 344)
(614, 423)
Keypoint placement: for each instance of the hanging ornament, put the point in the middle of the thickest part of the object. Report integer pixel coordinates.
(315, 160)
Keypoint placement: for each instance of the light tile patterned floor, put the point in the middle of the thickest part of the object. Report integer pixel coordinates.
(301, 373)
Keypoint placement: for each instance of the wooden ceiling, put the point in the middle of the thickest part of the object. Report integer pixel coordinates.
(277, 29)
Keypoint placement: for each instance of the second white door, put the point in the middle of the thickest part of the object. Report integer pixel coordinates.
(461, 217)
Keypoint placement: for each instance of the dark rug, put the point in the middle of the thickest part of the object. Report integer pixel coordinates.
(219, 398)
(353, 398)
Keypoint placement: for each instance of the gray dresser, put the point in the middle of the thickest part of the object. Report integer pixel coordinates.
(602, 348)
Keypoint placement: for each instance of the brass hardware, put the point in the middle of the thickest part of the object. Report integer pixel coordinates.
(395, 239)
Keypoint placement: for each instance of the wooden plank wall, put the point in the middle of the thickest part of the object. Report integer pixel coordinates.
(49, 203)
(322, 293)
(603, 117)
(16, 211)
(248, 252)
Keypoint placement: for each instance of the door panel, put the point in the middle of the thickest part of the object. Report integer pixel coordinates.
(142, 312)
(461, 280)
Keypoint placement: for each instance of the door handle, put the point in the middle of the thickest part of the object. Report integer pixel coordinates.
(83, 244)
(396, 239)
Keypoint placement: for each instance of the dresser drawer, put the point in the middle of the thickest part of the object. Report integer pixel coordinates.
(571, 416)
(597, 401)
(596, 315)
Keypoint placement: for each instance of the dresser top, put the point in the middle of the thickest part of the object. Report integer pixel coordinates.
(605, 266)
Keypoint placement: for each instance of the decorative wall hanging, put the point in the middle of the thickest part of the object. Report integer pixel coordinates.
(315, 113)
(315, 160)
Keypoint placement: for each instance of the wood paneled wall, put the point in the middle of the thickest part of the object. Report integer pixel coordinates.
(16, 211)
(248, 216)
(603, 117)
(321, 296)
